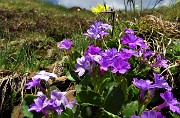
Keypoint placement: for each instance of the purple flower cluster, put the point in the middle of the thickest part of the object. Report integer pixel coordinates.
(141, 49)
(38, 78)
(57, 103)
(136, 45)
(110, 58)
(65, 44)
(145, 85)
(159, 82)
(131, 40)
(150, 114)
(98, 30)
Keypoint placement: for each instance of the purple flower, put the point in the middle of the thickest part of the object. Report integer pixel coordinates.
(69, 104)
(40, 104)
(169, 101)
(120, 66)
(150, 114)
(106, 26)
(131, 40)
(56, 101)
(160, 82)
(145, 54)
(34, 82)
(107, 58)
(93, 52)
(104, 64)
(125, 54)
(160, 61)
(128, 31)
(144, 51)
(43, 75)
(82, 65)
(55, 94)
(98, 30)
(40, 76)
(60, 102)
(143, 85)
(110, 54)
(65, 44)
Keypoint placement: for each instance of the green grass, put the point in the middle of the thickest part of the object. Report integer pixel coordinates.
(43, 7)
(30, 28)
(23, 56)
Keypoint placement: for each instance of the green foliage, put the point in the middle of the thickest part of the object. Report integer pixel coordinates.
(174, 50)
(132, 93)
(174, 115)
(69, 77)
(89, 97)
(114, 100)
(89, 111)
(130, 109)
(109, 114)
(68, 113)
(63, 115)
(37, 23)
(22, 17)
(103, 85)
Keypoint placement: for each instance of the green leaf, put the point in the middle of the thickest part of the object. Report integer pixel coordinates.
(76, 54)
(174, 115)
(64, 115)
(69, 77)
(133, 93)
(89, 97)
(90, 111)
(86, 82)
(130, 109)
(109, 115)
(78, 87)
(69, 112)
(103, 84)
(28, 100)
(112, 44)
(114, 100)
(111, 85)
(53, 88)
(124, 88)
(76, 111)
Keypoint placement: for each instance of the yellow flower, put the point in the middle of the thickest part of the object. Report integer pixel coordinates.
(99, 8)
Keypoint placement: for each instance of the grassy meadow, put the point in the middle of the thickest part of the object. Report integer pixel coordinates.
(30, 31)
